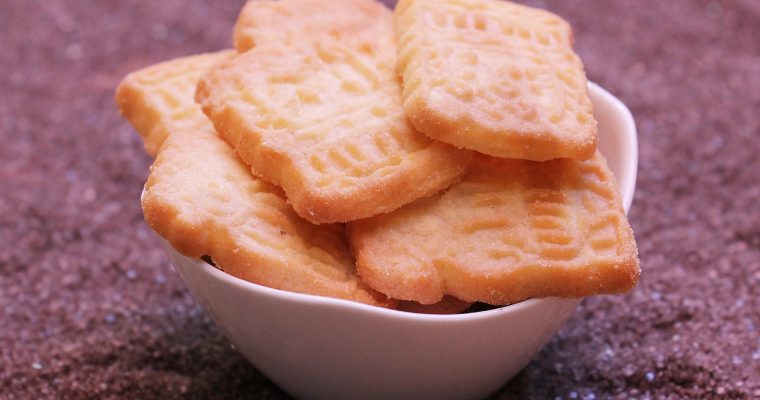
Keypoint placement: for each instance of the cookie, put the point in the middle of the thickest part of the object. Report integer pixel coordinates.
(509, 231)
(495, 77)
(205, 201)
(159, 99)
(324, 121)
(297, 22)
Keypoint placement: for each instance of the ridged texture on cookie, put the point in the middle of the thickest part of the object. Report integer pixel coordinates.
(323, 119)
(496, 77)
(509, 231)
(205, 201)
(155, 101)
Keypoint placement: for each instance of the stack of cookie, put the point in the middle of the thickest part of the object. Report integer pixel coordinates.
(446, 150)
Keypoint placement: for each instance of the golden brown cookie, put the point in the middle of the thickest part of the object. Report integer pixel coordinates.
(496, 77)
(205, 201)
(509, 231)
(324, 121)
(298, 22)
(159, 99)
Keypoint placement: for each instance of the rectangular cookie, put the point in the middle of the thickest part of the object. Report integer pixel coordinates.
(509, 231)
(299, 22)
(155, 100)
(320, 115)
(495, 77)
(205, 201)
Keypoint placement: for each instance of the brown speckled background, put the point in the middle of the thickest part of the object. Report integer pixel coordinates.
(89, 306)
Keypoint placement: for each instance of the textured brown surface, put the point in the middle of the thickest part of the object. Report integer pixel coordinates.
(90, 307)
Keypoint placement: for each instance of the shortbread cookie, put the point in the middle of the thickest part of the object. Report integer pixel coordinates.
(298, 22)
(324, 121)
(496, 77)
(205, 201)
(159, 99)
(509, 231)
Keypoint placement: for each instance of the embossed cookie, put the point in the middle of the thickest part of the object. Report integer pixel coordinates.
(159, 99)
(324, 121)
(496, 77)
(509, 231)
(205, 201)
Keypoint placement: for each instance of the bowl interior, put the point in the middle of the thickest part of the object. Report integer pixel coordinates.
(617, 139)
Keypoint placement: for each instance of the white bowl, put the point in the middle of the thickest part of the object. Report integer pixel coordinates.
(323, 348)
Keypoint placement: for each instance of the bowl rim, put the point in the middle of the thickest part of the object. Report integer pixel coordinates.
(629, 141)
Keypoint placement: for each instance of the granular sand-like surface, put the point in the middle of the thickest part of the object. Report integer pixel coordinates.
(91, 307)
